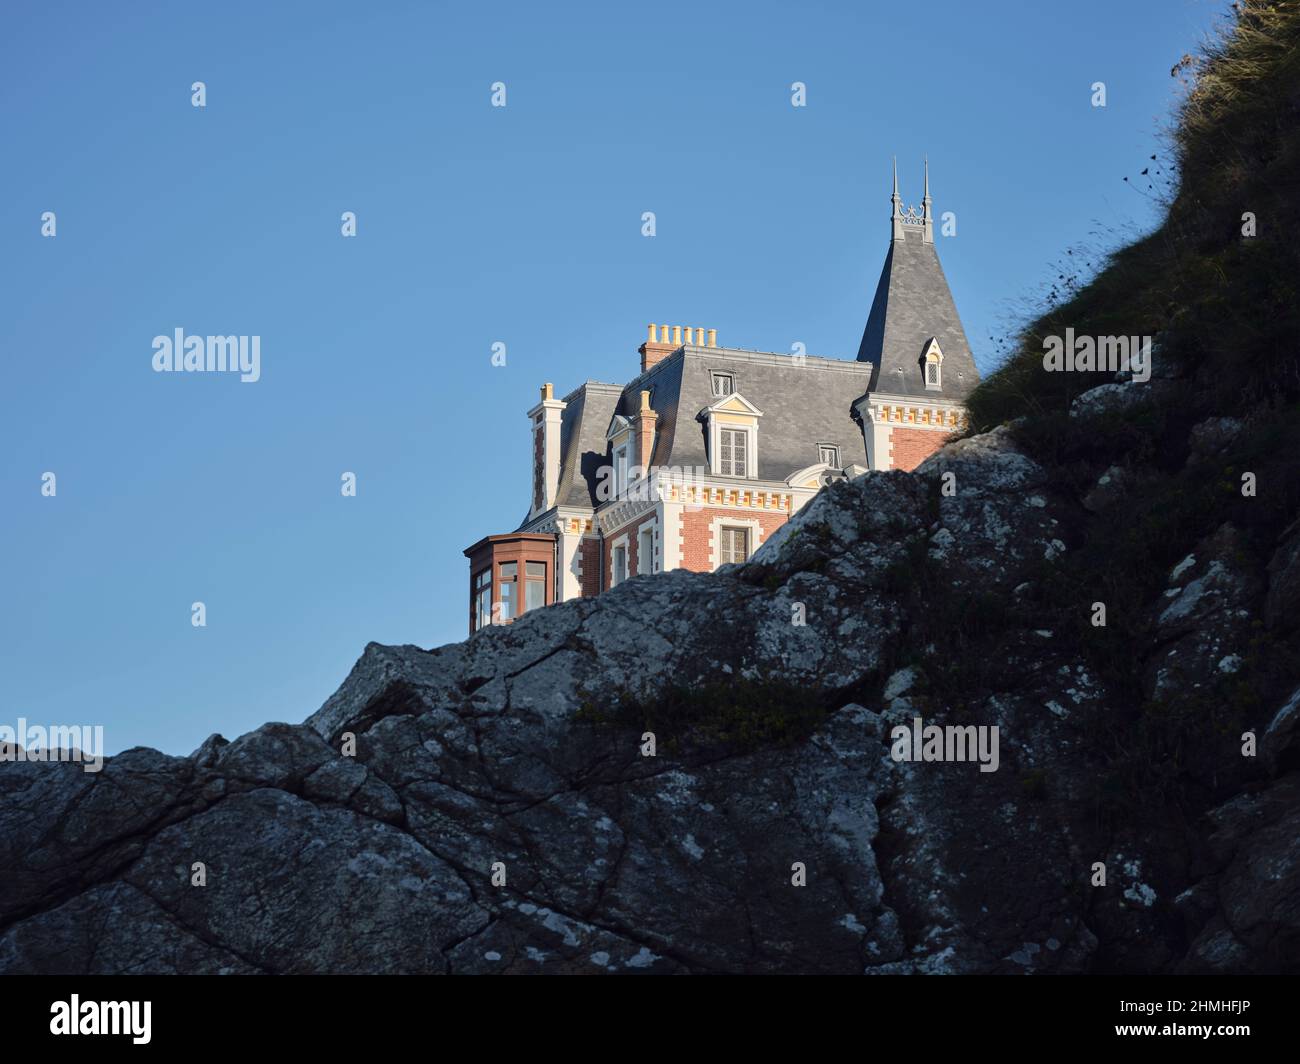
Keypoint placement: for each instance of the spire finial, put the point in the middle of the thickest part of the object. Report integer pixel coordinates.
(896, 215)
(926, 221)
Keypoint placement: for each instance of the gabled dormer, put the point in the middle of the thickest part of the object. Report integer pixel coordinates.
(932, 365)
(621, 457)
(732, 427)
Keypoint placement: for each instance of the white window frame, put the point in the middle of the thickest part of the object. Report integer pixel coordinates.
(932, 355)
(621, 468)
(744, 435)
(645, 560)
(732, 521)
(482, 617)
(822, 448)
(747, 422)
(935, 385)
(726, 531)
(614, 547)
(715, 379)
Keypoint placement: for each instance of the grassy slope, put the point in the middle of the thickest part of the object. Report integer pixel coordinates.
(1225, 306)
(1225, 311)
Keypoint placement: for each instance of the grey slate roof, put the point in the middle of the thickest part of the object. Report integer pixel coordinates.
(585, 420)
(912, 304)
(803, 406)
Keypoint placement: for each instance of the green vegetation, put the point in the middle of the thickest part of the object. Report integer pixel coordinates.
(717, 718)
(1224, 309)
(1224, 305)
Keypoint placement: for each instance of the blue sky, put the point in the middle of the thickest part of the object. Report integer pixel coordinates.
(476, 225)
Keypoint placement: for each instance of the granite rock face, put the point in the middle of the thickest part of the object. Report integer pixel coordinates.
(489, 806)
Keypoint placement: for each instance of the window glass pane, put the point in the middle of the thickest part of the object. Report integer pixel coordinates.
(733, 545)
(507, 601)
(737, 452)
(732, 452)
(535, 596)
(508, 570)
(536, 569)
(620, 470)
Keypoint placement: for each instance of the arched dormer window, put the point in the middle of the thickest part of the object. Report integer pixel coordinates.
(932, 365)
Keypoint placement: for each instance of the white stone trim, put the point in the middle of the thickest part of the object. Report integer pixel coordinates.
(670, 536)
(548, 416)
(755, 537)
(569, 552)
(623, 513)
(877, 411)
(614, 544)
(715, 448)
(652, 527)
(932, 352)
(796, 480)
(750, 429)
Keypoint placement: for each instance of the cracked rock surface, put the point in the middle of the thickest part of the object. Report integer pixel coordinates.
(374, 836)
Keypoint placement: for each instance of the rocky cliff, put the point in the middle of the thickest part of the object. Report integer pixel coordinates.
(524, 746)
(490, 806)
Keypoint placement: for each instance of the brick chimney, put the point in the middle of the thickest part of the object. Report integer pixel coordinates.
(545, 420)
(643, 428)
(655, 350)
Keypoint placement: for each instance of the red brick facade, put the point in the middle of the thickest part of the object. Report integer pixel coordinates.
(589, 552)
(697, 550)
(539, 473)
(908, 448)
(633, 533)
(654, 353)
(643, 425)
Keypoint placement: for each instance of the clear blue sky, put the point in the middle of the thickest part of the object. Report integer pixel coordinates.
(476, 225)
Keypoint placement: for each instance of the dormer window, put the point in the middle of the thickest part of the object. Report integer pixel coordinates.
(932, 365)
(830, 454)
(732, 436)
(733, 453)
(620, 470)
(723, 384)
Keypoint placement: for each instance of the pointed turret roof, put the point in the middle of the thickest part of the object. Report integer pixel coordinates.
(913, 305)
